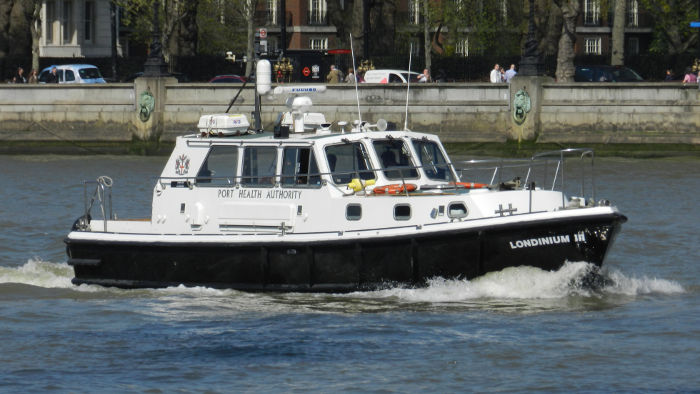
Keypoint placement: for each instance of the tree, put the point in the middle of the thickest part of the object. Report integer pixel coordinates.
(180, 28)
(248, 9)
(618, 34)
(426, 33)
(548, 22)
(178, 25)
(35, 30)
(5, 11)
(672, 33)
(565, 55)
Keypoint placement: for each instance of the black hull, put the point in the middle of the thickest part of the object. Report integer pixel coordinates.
(345, 265)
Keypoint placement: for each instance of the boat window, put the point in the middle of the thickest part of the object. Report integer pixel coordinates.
(394, 154)
(259, 165)
(220, 166)
(432, 160)
(299, 167)
(457, 210)
(348, 161)
(402, 212)
(353, 212)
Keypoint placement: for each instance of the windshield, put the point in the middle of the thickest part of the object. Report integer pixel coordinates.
(432, 160)
(89, 73)
(348, 161)
(395, 159)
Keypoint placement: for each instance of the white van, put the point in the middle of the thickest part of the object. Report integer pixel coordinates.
(390, 76)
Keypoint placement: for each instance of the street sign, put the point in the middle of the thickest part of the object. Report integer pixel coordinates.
(263, 33)
(306, 71)
(694, 24)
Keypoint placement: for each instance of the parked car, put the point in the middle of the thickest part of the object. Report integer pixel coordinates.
(227, 79)
(389, 76)
(606, 74)
(73, 73)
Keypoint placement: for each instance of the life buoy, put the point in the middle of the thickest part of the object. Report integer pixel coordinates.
(395, 188)
(470, 185)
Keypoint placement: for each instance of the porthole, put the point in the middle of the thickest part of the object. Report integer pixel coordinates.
(457, 210)
(402, 212)
(353, 212)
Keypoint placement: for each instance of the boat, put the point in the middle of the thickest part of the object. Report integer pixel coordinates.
(316, 206)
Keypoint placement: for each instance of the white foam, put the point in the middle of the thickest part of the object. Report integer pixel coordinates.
(529, 283)
(37, 272)
(638, 286)
(509, 284)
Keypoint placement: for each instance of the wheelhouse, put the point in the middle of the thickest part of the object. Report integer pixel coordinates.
(261, 161)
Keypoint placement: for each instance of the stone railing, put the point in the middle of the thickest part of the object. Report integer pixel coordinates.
(561, 113)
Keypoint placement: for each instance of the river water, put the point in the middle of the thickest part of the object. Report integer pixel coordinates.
(521, 329)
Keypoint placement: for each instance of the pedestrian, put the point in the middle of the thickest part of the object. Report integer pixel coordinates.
(333, 75)
(350, 78)
(496, 74)
(425, 77)
(19, 77)
(669, 75)
(689, 76)
(53, 76)
(511, 73)
(33, 77)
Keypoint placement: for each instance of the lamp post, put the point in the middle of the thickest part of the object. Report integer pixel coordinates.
(155, 65)
(530, 62)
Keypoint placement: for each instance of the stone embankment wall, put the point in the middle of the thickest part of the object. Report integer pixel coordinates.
(577, 113)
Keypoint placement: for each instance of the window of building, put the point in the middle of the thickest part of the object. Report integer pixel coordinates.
(632, 46)
(462, 47)
(271, 12)
(414, 11)
(67, 22)
(318, 43)
(272, 44)
(632, 13)
(592, 46)
(317, 12)
(89, 25)
(50, 19)
(591, 12)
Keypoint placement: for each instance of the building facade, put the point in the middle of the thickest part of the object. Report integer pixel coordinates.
(76, 28)
(594, 29)
(308, 26)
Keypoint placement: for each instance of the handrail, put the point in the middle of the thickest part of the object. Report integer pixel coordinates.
(102, 194)
(538, 162)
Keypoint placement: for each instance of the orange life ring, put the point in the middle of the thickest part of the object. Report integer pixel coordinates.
(469, 185)
(395, 188)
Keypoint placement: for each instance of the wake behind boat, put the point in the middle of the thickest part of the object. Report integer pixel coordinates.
(312, 207)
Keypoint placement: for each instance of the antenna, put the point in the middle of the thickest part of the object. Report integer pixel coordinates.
(354, 70)
(408, 87)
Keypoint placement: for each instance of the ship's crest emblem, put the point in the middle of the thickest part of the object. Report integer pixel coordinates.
(182, 164)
